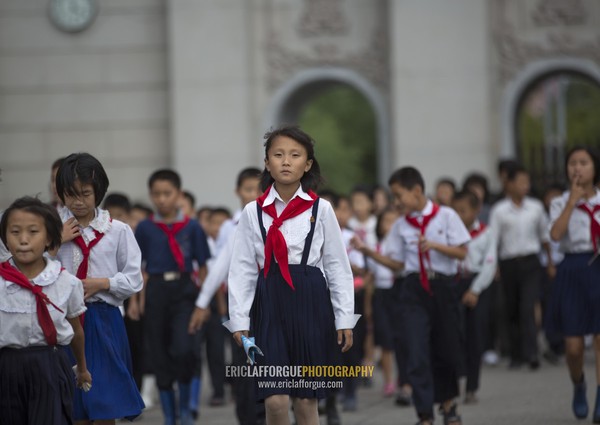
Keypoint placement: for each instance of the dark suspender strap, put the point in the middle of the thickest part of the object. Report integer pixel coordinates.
(260, 223)
(309, 237)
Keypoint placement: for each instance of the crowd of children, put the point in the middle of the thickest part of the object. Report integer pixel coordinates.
(93, 299)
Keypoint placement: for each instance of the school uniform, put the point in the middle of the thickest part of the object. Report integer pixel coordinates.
(576, 294)
(383, 301)
(429, 304)
(293, 316)
(36, 380)
(366, 231)
(168, 252)
(520, 232)
(106, 249)
(477, 272)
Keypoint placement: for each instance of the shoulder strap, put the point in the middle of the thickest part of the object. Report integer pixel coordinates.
(309, 237)
(260, 223)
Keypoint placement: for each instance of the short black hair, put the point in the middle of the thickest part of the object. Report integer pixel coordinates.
(593, 153)
(554, 186)
(364, 189)
(448, 181)
(469, 196)
(312, 178)
(167, 175)
(57, 163)
(478, 179)
(190, 197)
(245, 174)
(140, 206)
(52, 221)
(408, 178)
(118, 200)
(514, 171)
(220, 210)
(506, 164)
(331, 196)
(84, 168)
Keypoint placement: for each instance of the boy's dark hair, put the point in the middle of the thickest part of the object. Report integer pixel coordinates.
(145, 208)
(330, 195)
(505, 165)
(57, 163)
(165, 174)
(408, 178)
(202, 210)
(312, 178)
(469, 196)
(364, 189)
(448, 181)
(52, 221)
(593, 153)
(84, 168)
(514, 171)
(554, 186)
(220, 210)
(245, 174)
(190, 197)
(478, 179)
(118, 200)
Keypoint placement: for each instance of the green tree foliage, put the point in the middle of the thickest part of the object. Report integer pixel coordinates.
(342, 122)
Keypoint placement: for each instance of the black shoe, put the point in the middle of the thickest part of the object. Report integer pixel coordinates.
(534, 364)
(450, 416)
(580, 405)
(403, 398)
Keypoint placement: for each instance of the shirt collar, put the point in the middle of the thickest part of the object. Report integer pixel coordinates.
(476, 225)
(101, 221)
(47, 276)
(159, 218)
(425, 211)
(273, 196)
(594, 200)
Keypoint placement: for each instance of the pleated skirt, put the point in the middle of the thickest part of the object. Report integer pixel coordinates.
(294, 328)
(36, 386)
(575, 299)
(114, 393)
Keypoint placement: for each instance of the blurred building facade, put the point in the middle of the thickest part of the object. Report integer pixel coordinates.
(194, 84)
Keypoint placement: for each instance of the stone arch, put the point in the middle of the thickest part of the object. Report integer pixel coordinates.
(284, 105)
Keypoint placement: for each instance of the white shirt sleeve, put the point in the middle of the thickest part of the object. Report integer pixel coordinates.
(337, 271)
(243, 273)
(543, 225)
(217, 274)
(457, 232)
(485, 277)
(395, 248)
(128, 279)
(75, 303)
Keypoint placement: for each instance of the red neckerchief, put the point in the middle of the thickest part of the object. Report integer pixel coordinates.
(82, 270)
(477, 230)
(173, 245)
(12, 274)
(423, 256)
(594, 225)
(275, 243)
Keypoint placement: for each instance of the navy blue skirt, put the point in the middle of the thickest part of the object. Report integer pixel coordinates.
(36, 386)
(294, 328)
(114, 394)
(575, 303)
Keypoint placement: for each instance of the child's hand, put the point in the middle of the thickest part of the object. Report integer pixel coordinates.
(237, 336)
(551, 271)
(84, 379)
(358, 244)
(70, 230)
(470, 299)
(199, 316)
(133, 308)
(425, 245)
(93, 285)
(345, 336)
(577, 191)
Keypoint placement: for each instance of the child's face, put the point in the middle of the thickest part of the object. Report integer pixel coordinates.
(83, 205)
(215, 222)
(136, 216)
(186, 207)
(478, 190)
(444, 193)
(287, 161)
(465, 211)
(118, 213)
(387, 221)
(26, 238)
(343, 212)
(380, 199)
(249, 190)
(410, 199)
(361, 205)
(519, 186)
(580, 168)
(203, 217)
(165, 197)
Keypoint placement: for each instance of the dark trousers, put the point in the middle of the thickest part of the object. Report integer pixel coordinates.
(354, 356)
(169, 305)
(400, 343)
(247, 410)
(430, 322)
(473, 324)
(555, 339)
(135, 336)
(213, 335)
(521, 278)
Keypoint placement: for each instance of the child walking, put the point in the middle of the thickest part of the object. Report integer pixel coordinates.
(103, 253)
(40, 305)
(574, 222)
(303, 291)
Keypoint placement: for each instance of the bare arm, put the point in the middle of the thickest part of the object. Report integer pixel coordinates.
(78, 347)
(560, 226)
(380, 258)
(458, 252)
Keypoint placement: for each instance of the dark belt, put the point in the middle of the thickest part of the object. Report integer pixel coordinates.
(170, 276)
(431, 275)
(522, 258)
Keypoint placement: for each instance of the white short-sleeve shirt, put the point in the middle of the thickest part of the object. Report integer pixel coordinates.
(19, 324)
(577, 239)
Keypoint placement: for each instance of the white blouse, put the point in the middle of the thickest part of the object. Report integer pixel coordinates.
(19, 325)
(117, 257)
(578, 237)
(327, 252)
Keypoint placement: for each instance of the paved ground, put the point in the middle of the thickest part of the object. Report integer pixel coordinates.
(506, 398)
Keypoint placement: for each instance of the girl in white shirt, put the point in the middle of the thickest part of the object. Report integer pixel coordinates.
(303, 291)
(574, 222)
(104, 254)
(40, 305)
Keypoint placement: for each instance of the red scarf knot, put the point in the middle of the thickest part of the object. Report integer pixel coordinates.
(12, 274)
(173, 245)
(423, 256)
(86, 249)
(275, 245)
(594, 224)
